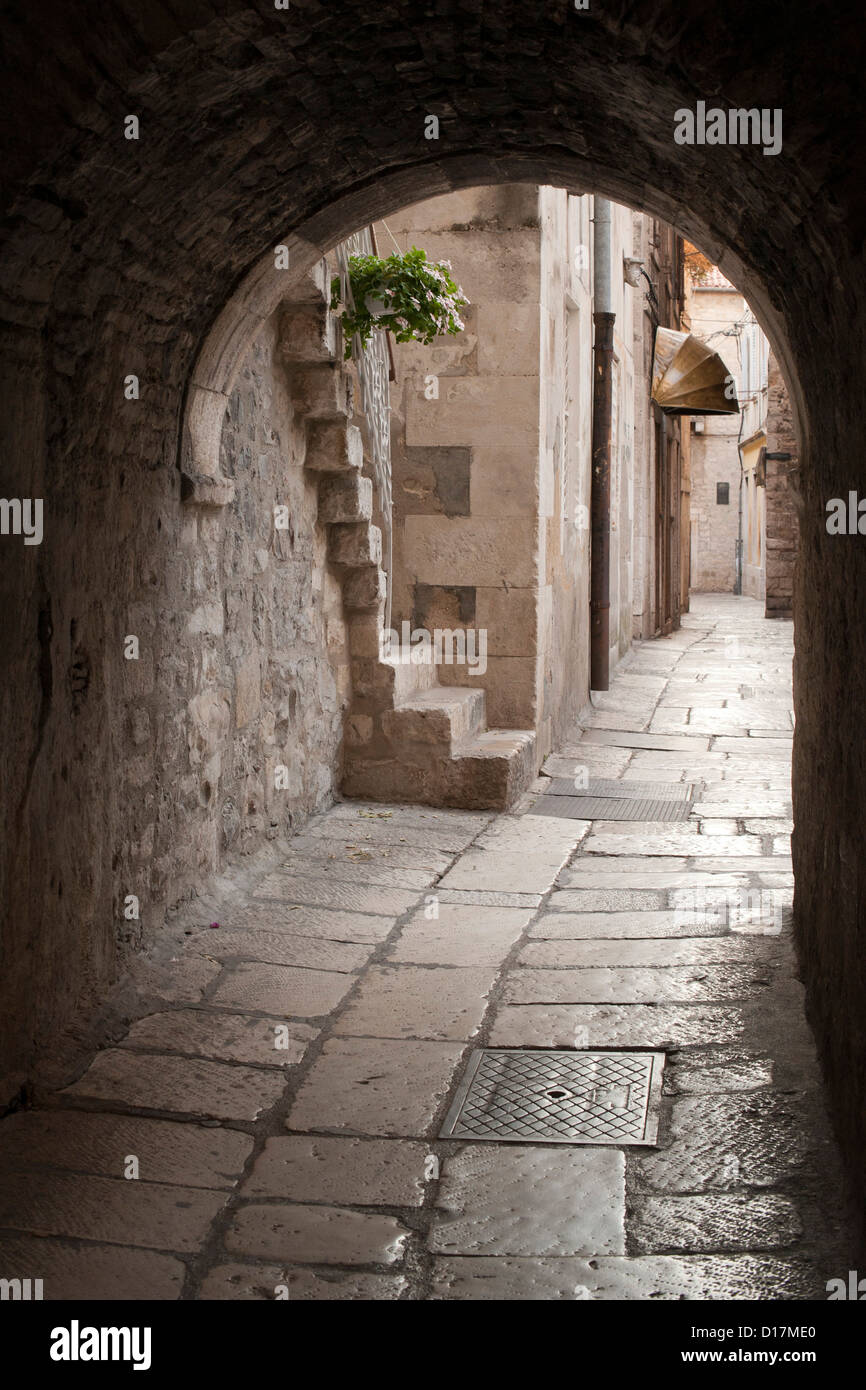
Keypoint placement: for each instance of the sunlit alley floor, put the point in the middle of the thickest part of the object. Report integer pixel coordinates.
(267, 1126)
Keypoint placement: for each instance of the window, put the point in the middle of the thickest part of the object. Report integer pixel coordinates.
(723, 494)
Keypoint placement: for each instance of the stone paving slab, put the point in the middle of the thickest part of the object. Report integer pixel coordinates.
(115, 1211)
(351, 1171)
(90, 1271)
(417, 1001)
(280, 884)
(184, 1085)
(729, 1142)
(649, 878)
(316, 1235)
(613, 1025)
(590, 866)
(606, 762)
(728, 1221)
(668, 743)
(345, 897)
(671, 984)
(618, 900)
(275, 948)
(222, 1036)
(311, 849)
(769, 747)
(281, 991)
(515, 1200)
(450, 840)
(711, 1070)
(631, 716)
(466, 823)
(297, 920)
(377, 1087)
(183, 980)
(247, 1282)
(517, 855)
(701, 722)
(755, 810)
(460, 897)
(639, 828)
(755, 864)
(460, 936)
(678, 841)
(183, 1154)
(770, 826)
(582, 926)
(656, 1277)
(685, 951)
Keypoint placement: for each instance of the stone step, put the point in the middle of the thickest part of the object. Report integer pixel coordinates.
(486, 771)
(492, 769)
(443, 715)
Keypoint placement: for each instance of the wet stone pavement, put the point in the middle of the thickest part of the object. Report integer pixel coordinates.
(262, 1123)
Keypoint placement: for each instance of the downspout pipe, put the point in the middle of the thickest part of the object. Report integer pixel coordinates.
(599, 579)
(738, 560)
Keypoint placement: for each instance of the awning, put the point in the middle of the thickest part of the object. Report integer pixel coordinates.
(689, 378)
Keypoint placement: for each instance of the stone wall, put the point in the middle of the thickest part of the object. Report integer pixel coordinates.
(782, 525)
(219, 642)
(282, 662)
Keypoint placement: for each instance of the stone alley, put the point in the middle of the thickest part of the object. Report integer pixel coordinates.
(258, 1114)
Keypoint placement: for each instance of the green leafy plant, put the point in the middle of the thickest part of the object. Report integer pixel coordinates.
(413, 297)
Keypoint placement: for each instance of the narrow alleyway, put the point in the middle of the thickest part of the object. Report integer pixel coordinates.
(266, 1127)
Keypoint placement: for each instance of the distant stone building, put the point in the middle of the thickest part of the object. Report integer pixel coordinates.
(743, 518)
(727, 499)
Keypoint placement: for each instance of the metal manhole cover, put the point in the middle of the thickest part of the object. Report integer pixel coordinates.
(558, 1097)
(610, 808)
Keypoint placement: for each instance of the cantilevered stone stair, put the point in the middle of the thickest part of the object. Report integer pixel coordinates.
(406, 737)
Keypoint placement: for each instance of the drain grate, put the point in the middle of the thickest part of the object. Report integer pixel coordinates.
(609, 800)
(628, 791)
(558, 1097)
(610, 808)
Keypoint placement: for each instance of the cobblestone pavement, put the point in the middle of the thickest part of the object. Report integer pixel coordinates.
(283, 1078)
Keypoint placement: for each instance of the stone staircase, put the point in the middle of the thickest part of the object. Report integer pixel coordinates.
(407, 738)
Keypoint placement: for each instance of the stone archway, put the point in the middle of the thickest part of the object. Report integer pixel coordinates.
(257, 127)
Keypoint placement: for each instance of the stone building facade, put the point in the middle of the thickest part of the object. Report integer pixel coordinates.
(727, 511)
(492, 444)
(744, 530)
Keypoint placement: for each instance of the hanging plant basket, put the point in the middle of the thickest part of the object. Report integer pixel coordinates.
(415, 298)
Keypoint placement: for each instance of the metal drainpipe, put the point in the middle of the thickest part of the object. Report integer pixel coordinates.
(738, 560)
(599, 579)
